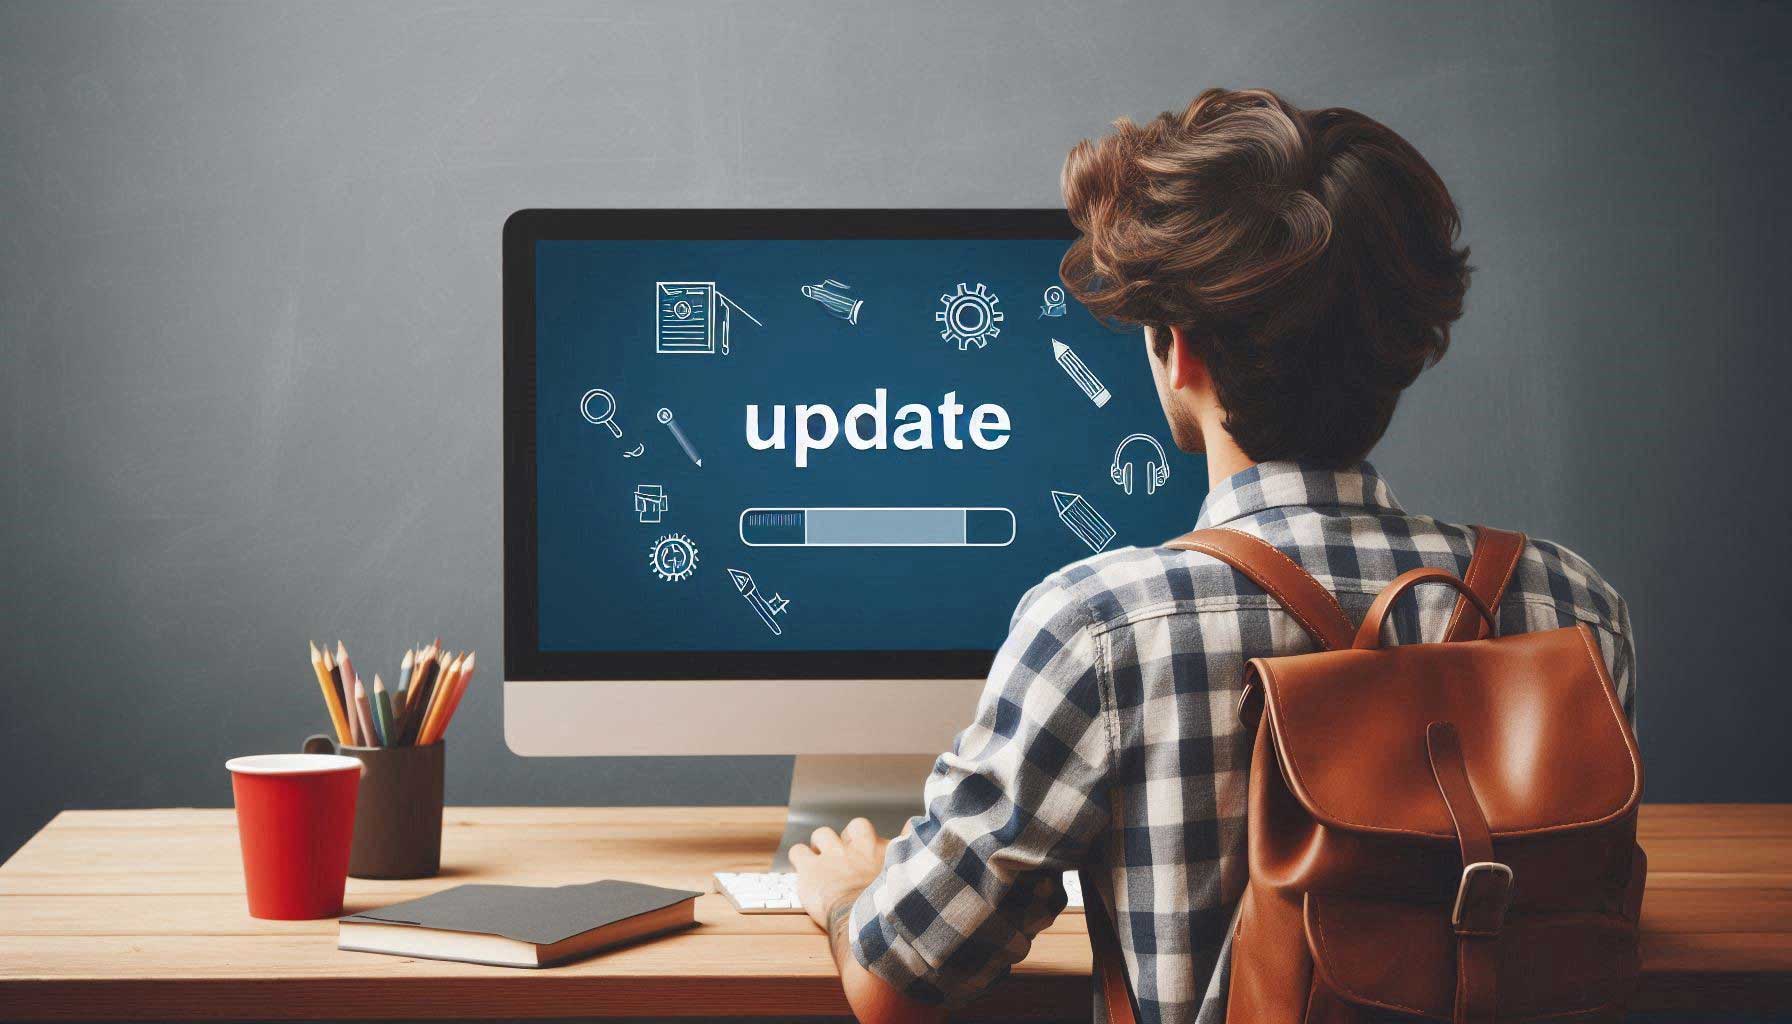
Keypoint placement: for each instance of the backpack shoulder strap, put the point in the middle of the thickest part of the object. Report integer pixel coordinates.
(1281, 577)
(1110, 962)
(1490, 569)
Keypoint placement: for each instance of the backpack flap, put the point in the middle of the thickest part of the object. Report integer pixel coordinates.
(1545, 742)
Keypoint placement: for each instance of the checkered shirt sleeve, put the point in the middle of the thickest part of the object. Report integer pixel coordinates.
(1018, 800)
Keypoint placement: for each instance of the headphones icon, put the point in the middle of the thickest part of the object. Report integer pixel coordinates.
(1155, 472)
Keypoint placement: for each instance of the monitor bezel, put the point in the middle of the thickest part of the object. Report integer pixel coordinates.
(524, 660)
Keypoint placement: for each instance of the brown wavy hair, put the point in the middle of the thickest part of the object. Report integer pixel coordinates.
(1310, 255)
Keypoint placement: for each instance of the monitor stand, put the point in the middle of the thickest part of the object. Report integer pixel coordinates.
(833, 789)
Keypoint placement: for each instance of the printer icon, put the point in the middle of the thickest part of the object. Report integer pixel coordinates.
(650, 502)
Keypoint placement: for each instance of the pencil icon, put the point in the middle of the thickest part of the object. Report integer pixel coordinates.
(767, 609)
(829, 294)
(1083, 520)
(1080, 373)
(665, 416)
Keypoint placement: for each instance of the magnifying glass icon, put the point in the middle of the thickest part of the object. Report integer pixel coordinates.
(606, 403)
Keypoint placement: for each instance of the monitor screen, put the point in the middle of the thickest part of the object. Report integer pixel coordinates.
(761, 446)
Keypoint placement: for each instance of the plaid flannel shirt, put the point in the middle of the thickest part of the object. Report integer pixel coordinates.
(1107, 737)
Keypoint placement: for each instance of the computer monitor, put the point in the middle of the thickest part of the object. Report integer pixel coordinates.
(776, 479)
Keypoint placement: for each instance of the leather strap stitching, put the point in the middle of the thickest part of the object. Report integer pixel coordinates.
(1288, 606)
(1271, 549)
(1511, 570)
(1260, 547)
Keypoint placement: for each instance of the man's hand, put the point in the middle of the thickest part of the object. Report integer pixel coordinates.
(830, 874)
(836, 868)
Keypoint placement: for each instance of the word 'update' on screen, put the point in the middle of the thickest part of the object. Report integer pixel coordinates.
(867, 426)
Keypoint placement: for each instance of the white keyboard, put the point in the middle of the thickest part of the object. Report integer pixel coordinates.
(774, 892)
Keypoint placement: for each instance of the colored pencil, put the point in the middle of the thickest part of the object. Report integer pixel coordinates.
(382, 712)
(460, 691)
(425, 655)
(444, 680)
(354, 716)
(404, 683)
(418, 703)
(443, 694)
(346, 695)
(332, 699)
(414, 677)
(373, 712)
(431, 714)
(343, 689)
(364, 708)
(349, 678)
(450, 703)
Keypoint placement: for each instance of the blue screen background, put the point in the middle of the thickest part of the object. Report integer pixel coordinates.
(595, 307)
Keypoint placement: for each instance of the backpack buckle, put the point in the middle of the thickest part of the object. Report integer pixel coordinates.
(1482, 898)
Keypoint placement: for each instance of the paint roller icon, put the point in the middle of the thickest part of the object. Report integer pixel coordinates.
(828, 294)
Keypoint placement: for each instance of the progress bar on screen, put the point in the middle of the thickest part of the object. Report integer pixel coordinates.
(877, 527)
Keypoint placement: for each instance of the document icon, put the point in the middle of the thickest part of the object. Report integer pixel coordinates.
(692, 317)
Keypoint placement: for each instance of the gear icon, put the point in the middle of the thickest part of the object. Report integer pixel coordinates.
(970, 316)
(673, 557)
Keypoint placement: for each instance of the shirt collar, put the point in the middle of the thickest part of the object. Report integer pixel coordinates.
(1276, 484)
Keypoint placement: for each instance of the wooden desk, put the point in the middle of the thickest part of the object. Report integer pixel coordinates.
(140, 915)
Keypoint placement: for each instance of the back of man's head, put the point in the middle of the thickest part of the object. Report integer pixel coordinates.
(1309, 256)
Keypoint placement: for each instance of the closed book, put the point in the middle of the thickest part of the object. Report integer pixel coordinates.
(517, 925)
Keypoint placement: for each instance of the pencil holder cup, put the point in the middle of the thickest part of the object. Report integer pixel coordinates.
(398, 818)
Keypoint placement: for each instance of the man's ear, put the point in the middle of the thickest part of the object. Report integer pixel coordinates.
(1186, 369)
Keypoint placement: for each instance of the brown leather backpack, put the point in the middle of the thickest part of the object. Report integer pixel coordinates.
(1437, 831)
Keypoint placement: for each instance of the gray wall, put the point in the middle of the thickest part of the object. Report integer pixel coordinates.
(249, 310)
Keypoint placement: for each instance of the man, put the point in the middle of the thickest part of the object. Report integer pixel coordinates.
(1292, 271)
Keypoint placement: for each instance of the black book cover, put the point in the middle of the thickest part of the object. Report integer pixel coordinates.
(542, 915)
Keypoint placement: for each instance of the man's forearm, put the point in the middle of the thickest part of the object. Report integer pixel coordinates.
(839, 918)
(872, 1000)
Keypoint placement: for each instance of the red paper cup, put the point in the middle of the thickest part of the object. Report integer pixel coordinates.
(295, 815)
